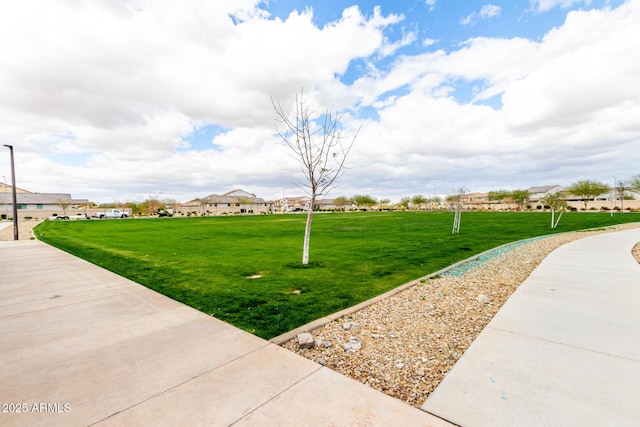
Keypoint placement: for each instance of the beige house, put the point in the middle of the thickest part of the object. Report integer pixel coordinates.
(39, 205)
(235, 202)
(292, 204)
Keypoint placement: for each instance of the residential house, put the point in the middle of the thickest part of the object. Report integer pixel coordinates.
(231, 203)
(39, 205)
(292, 204)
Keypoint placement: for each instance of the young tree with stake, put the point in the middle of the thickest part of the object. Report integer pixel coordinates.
(319, 147)
(556, 204)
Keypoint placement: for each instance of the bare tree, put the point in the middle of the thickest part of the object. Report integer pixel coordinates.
(64, 204)
(318, 145)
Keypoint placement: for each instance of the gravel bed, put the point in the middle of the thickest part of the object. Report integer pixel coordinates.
(24, 230)
(404, 345)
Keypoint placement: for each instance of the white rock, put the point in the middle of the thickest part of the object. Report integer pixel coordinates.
(346, 326)
(305, 340)
(483, 299)
(352, 344)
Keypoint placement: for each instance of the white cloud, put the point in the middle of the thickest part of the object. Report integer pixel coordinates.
(490, 11)
(429, 42)
(99, 98)
(431, 4)
(545, 5)
(487, 11)
(571, 99)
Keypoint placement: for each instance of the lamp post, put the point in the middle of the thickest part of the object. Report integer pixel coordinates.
(6, 205)
(13, 188)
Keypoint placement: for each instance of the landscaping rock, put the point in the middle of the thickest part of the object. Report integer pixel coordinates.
(305, 340)
(433, 323)
(483, 299)
(352, 344)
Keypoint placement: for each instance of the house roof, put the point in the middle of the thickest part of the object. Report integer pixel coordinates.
(7, 188)
(542, 189)
(239, 193)
(234, 196)
(42, 199)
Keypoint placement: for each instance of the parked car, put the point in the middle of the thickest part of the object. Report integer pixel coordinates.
(164, 212)
(111, 213)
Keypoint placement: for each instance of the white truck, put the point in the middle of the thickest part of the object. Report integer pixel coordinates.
(111, 213)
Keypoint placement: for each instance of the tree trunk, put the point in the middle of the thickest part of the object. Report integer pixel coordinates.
(307, 234)
(558, 220)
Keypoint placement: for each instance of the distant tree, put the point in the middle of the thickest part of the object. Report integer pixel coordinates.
(168, 202)
(319, 147)
(64, 204)
(341, 201)
(363, 200)
(556, 203)
(149, 207)
(405, 202)
(500, 196)
(384, 203)
(135, 208)
(634, 182)
(587, 190)
(418, 200)
(520, 197)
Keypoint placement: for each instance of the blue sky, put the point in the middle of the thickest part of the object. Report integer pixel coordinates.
(126, 99)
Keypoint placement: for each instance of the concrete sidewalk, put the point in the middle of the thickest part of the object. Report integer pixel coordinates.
(563, 351)
(82, 346)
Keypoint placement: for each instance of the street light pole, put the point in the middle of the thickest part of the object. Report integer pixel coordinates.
(6, 205)
(13, 188)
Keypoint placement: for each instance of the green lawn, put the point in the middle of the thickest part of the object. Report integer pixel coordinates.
(206, 262)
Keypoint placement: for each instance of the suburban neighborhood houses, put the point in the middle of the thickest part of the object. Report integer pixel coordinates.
(230, 203)
(33, 205)
(39, 205)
